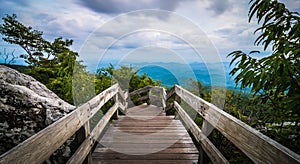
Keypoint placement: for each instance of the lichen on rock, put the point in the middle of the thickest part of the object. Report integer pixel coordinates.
(26, 107)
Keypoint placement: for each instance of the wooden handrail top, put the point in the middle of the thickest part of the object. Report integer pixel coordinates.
(40, 146)
(258, 147)
(141, 90)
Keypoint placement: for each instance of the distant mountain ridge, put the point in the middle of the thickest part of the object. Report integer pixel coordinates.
(170, 73)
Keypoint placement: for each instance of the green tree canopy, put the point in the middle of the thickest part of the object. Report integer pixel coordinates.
(275, 78)
(51, 63)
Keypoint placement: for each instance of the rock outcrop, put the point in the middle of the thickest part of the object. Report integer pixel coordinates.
(26, 107)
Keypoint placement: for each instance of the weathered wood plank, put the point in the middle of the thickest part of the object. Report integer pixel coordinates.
(150, 146)
(170, 106)
(141, 90)
(168, 136)
(98, 101)
(164, 98)
(143, 98)
(207, 128)
(86, 146)
(123, 95)
(165, 151)
(115, 116)
(122, 107)
(258, 147)
(46, 141)
(145, 124)
(171, 93)
(147, 120)
(130, 134)
(151, 128)
(81, 135)
(101, 156)
(40, 146)
(157, 141)
(123, 103)
(147, 161)
(145, 110)
(137, 118)
(214, 154)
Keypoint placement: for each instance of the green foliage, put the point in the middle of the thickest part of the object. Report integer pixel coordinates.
(275, 79)
(249, 109)
(51, 63)
(126, 76)
(30, 40)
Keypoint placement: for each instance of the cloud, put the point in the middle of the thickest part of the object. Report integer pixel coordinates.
(219, 7)
(121, 6)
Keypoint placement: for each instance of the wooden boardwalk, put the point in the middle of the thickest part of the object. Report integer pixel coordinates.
(145, 135)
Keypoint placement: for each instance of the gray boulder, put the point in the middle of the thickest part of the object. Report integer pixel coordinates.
(26, 107)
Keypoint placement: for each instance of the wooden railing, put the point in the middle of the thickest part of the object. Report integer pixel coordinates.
(258, 147)
(41, 146)
(154, 95)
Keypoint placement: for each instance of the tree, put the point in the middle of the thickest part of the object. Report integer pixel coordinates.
(126, 76)
(51, 63)
(30, 40)
(274, 79)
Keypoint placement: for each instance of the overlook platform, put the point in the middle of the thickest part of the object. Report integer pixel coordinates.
(146, 135)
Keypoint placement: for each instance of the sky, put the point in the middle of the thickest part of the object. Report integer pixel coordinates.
(125, 31)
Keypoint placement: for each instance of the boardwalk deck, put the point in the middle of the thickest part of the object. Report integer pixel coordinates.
(145, 135)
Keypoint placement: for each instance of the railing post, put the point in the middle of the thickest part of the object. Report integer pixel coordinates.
(126, 94)
(203, 157)
(178, 100)
(206, 129)
(81, 135)
(116, 114)
(164, 98)
(148, 95)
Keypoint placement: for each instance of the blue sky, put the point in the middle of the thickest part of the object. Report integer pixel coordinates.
(122, 30)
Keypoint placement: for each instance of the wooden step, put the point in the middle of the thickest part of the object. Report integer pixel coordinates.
(145, 135)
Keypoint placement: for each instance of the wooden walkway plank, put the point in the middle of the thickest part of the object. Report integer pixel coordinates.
(146, 135)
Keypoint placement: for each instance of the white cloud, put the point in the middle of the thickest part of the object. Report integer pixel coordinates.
(225, 24)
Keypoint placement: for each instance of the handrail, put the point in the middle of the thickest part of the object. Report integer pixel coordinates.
(41, 146)
(258, 147)
(215, 155)
(162, 95)
(139, 91)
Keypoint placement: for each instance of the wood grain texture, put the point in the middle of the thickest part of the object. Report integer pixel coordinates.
(146, 135)
(258, 147)
(164, 98)
(85, 148)
(171, 93)
(123, 94)
(214, 154)
(40, 146)
(141, 90)
(151, 130)
(143, 98)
